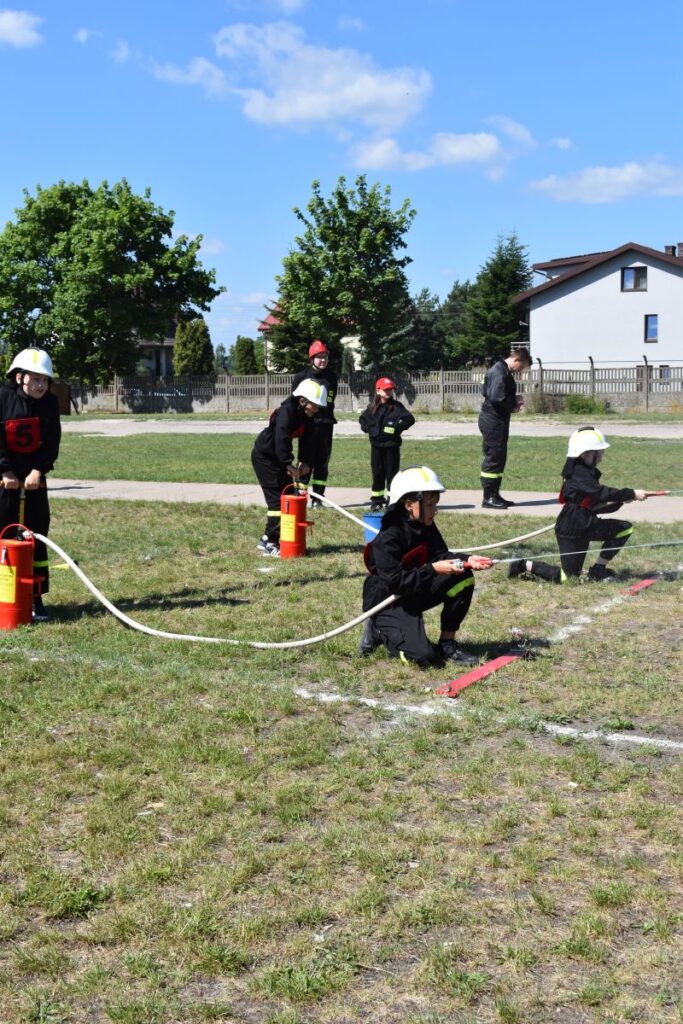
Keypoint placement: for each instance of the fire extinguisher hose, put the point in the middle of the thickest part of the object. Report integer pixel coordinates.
(373, 529)
(284, 645)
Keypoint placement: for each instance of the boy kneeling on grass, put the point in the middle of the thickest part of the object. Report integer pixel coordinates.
(582, 497)
(410, 558)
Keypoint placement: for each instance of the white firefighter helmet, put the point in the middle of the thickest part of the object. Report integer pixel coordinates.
(312, 391)
(414, 480)
(32, 360)
(586, 439)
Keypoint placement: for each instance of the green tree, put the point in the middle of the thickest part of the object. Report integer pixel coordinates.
(288, 343)
(221, 360)
(243, 356)
(345, 275)
(453, 321)
(418, 345)
(193, 351)
(86, 273)
(260, 355)
(491, 322)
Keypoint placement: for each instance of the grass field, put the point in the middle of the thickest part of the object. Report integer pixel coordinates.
(184, 838)
(534, 463)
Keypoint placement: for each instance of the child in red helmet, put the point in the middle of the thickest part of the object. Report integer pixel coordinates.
(319, 369)
(384, 421)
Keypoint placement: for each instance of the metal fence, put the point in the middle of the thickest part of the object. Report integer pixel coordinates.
(623, 387)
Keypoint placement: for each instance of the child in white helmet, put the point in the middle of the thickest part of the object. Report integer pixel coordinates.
(582, 498)
(410, 559)
(384, 421)
(30, 433)
(273, 454)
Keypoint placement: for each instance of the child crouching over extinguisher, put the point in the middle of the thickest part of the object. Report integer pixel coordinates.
(30, 433)
(384, 421)
(273, 454)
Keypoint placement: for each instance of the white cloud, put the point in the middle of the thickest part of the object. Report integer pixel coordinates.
(562, 142)
(610, 184)
(83, 35)
(290, 6)
(514, 131)
(301, 84)
(212, 247)
(199, 72)
(19, 28)
(345, 24)
(121, 53)
(445, 150)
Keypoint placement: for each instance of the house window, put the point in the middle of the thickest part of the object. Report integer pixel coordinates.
(634, 279)
(651, 327)
(664, 372)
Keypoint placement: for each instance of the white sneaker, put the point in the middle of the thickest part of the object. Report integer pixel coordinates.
(268, 547)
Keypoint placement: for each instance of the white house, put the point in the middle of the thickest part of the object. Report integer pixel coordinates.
(616, 306)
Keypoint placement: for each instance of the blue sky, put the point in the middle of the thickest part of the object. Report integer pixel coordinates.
(562, 122)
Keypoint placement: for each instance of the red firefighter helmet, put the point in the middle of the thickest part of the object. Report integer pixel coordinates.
(318, 348)
(385, 384)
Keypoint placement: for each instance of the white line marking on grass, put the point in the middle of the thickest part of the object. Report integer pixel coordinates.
(443, 708)
(407, 709)
(577, 624)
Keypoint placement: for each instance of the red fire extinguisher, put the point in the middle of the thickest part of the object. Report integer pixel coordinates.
(16, 580)
(293, 524)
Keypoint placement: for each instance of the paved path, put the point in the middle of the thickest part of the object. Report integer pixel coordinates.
(530, 503)
(425, 429)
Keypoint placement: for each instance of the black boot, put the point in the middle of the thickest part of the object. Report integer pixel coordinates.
(370, 640)
(495, 501)
(491, 496)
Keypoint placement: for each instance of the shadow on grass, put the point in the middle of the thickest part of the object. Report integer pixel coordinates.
(186, 598)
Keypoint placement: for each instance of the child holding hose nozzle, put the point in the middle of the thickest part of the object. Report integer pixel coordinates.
(273, 455)
(582, 497)
(30, 433)
(409, 558)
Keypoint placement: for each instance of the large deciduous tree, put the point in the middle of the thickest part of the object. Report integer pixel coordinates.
(491, 322)
(345, 276)
(193, 352)
(87, 273)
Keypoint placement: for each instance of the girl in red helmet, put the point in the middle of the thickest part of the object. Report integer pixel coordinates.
(384, 421)
(319, 369)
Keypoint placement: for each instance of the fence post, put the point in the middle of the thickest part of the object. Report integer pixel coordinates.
(227, 392)
(189, 393)
(267, 390)
(116, 392)
(592, 378)
(540, 382)
(647, 384)
(442, 386)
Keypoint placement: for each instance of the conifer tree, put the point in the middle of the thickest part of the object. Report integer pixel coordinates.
(193, 352)
(491, 321)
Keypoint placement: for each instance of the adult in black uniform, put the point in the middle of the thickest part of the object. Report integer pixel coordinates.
(582, 497)
(410, 558)
(273, 454)
(384, 421)
(324, 422)
(500, 401)
(30, 433)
